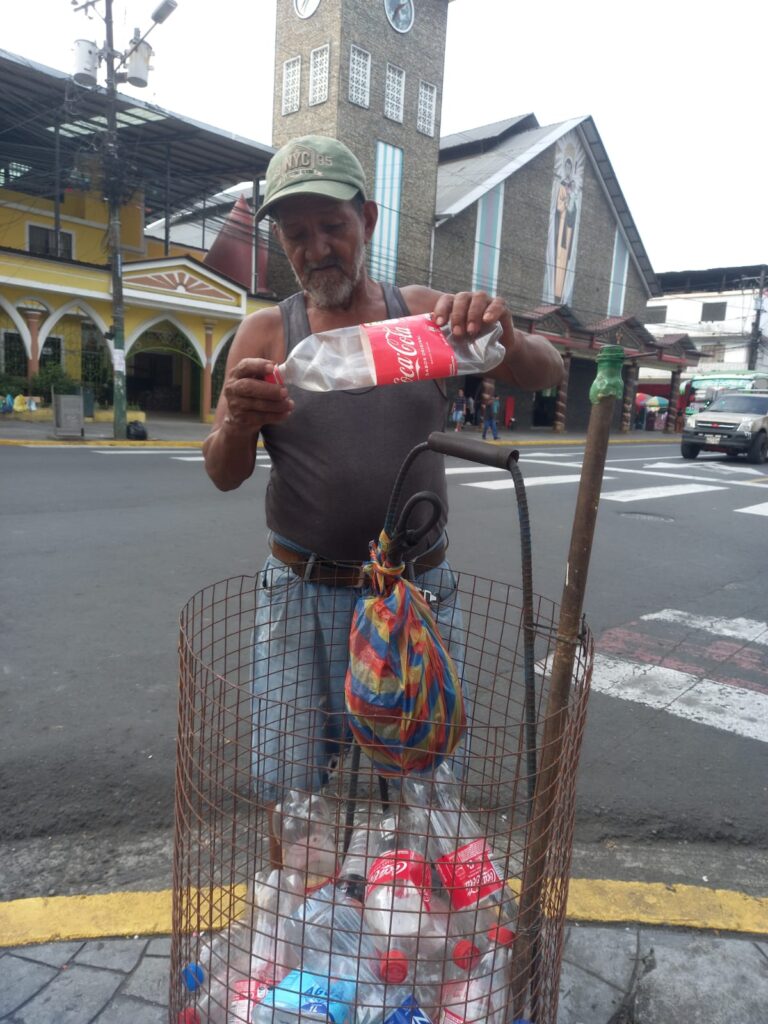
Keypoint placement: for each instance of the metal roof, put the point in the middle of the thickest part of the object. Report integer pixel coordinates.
(173, 159)
(491, 154)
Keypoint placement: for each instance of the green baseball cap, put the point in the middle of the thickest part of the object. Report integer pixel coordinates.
(312, 165)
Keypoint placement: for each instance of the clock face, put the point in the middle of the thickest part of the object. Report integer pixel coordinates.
(305, 8)
(400, 14)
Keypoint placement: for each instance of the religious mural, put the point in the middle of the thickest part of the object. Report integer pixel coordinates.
(564, 215)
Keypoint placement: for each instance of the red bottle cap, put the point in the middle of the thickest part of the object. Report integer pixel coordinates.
(501, 936)
(188, 1015)
(466, 955)
(393, 967)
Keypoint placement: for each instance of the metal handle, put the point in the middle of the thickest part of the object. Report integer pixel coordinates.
(498, 456)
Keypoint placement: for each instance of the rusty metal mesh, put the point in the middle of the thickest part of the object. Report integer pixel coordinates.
(222, 848)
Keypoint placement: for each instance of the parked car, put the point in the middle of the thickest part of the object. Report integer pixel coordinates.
(735, 423)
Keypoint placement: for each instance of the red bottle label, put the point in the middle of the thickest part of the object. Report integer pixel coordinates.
(397, 868)
(409, 349)
(247, 993)
(468, 874)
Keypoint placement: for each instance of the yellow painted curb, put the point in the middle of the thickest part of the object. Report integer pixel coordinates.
(678, 906)
(596, 901)
(106, 443)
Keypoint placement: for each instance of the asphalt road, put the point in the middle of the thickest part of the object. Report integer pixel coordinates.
(101, 548)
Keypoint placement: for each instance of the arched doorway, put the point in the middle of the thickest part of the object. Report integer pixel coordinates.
(163, 371)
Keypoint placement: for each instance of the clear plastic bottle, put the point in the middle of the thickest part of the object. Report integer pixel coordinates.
(398, 882)
(277, 897)
(304, 825)
(399, 351)
(223, 959)
(470, 872)
(333, 964)
(482, 996)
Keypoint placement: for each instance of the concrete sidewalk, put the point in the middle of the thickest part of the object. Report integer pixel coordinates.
(610, 975)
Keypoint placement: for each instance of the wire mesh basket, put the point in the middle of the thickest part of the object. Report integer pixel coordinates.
(482, 945)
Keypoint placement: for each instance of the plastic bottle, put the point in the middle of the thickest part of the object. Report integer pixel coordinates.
(398, 883)
(325, 986)
(399, 351)
(223, 960)
(305, 827)
(277, 897)
(482, 996)
(463, 858)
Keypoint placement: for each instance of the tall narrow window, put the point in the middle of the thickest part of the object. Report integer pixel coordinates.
(394, 92)
(618, 276)
(291, 85)
(425, 115)
(490, 210)
(359, 77)
(319, 62)
(388, 186)
(13, 355)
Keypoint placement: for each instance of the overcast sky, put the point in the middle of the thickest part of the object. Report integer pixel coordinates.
(675, 89)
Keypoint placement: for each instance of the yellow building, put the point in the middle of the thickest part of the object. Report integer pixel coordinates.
(55, 272)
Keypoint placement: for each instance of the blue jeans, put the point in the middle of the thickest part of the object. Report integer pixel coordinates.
(299, 664)
(491, 425)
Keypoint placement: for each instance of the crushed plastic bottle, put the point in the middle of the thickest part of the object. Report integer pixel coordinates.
(483, 995)
(399, 351)
(304, 825)
(398, 883)
(277, 897)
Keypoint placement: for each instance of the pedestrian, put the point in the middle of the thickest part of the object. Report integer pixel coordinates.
(470, 410)
(491, 416)
(334, 455)
(458, 410)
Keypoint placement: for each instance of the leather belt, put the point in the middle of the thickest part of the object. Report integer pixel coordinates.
(343, 574)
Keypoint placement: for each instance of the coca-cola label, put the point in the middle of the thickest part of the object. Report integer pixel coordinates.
(409, 349)
(448, 1017)
(247, 992)
(399, 868)
(468, 874)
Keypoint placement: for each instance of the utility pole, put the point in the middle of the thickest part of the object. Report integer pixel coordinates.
(113, 185)
(754, 341)
(113, 190)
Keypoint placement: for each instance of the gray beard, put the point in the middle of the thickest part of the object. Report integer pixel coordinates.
(336, 290)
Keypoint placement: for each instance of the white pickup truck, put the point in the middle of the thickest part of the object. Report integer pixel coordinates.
(735, 423)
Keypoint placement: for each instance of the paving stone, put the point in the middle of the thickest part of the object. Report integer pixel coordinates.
(586, 949)
(585, 998)
(115, 954)
(702, 979)
(160, 946)
(19, 980)
(75, 996)
(55, 954)
(150, 981)
(124, 1010)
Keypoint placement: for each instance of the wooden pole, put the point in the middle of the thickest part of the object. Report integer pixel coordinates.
(606, 388)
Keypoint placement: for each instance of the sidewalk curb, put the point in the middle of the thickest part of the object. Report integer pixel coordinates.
(511, 442)
(595, 901)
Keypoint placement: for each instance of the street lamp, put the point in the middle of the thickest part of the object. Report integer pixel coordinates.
(138, 54)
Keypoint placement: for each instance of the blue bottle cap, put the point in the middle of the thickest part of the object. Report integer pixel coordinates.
(193, 976)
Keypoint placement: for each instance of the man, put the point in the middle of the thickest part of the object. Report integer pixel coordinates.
(334, 455)
(491, 415)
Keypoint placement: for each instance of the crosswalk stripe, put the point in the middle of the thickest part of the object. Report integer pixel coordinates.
(720, 467)
(755, 510)
(651, 493)
(460, 470)
(704, 701)
(188, 458)
(138, 451)
(748, 630)
(505, 485)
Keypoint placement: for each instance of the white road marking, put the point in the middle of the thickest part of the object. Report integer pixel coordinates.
(700, 700)
(504, 485)
(140, 451)
(720, 467)
(748, 630)
(458, 470)
(188, 458)
(755, 510)
(648, 493)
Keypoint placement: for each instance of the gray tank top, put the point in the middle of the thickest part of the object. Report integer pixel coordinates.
(334, 461)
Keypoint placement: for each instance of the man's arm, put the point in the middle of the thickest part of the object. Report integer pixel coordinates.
(247, 401)
(531, 363)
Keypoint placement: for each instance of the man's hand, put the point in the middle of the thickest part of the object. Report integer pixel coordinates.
(470, 313)
(251, 400)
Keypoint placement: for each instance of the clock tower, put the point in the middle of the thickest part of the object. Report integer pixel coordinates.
(370, 73)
